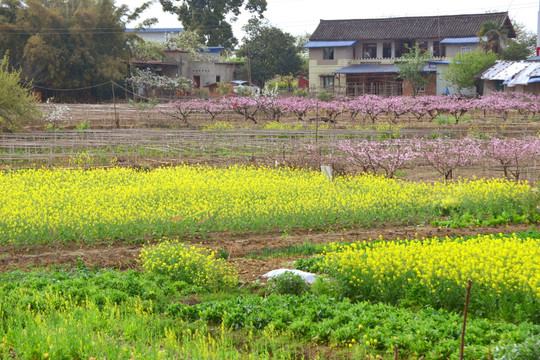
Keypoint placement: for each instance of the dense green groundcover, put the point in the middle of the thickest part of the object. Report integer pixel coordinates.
(67, 313)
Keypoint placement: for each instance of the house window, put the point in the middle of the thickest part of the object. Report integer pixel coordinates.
(387, 50)
(370, 51)
(465, 49)
(327, 82)
(438, 49)
(218, 78)
(403, 46)
(421, 89)
(423, 46)
(328, 53)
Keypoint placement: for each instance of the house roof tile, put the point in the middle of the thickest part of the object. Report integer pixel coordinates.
(421, 27)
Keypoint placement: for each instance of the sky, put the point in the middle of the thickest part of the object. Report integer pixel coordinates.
(298, 17)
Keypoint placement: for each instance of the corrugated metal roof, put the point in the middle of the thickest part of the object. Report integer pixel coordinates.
(320, 44)
(504, 70)
(373, 69)
(463, 40)
(513, 73)
(421, 27)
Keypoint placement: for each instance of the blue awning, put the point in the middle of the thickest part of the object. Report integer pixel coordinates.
(321, 44)
(213, 49)
(531, 81)
(154, 30)
(441, 62)
(374, 69)
(463, 40)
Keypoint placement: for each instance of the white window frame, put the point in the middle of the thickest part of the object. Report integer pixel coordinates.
(330, 85)
(329, 53)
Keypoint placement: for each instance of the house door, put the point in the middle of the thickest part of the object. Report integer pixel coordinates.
(197, 82)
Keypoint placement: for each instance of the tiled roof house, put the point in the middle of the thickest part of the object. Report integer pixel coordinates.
(357, 56)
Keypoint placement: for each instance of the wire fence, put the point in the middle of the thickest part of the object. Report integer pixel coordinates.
(151, 115)
(152, 148)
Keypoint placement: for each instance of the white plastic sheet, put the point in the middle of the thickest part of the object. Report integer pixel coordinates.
(308, 277)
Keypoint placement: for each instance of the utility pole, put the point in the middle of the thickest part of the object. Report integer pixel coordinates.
(538, 32)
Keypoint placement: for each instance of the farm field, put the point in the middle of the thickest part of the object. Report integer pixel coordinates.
(186, 296)
(163, 259)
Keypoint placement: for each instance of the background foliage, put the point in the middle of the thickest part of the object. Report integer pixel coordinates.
(67, 44)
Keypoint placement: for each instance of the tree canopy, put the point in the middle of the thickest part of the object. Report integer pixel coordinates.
(411, 67)
(268, 51)
(67, 44)
(209, 17)
(461, 72)
(523, 46)
(495, 35)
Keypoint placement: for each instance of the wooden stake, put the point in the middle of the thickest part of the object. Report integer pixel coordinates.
(116, 118)
(462, 348)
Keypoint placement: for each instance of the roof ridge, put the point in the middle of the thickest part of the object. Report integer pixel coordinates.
(419, 17)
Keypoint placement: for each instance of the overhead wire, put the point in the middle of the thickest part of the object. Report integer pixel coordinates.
(72, 89)
(296, 23)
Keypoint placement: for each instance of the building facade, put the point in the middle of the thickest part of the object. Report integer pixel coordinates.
(358, 56)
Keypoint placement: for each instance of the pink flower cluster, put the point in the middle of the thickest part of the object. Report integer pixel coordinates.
(445, 155)
(367, 107)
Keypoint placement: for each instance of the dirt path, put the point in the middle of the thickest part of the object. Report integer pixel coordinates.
(123, 256)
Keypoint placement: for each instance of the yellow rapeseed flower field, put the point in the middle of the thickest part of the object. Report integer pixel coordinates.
(505, 271)
(44, 206)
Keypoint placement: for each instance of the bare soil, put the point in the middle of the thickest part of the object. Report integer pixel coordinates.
(124, 256)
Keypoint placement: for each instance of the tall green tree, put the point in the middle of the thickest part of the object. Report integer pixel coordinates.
(268, 51)
(495, 35)
(67, 44)
(523, 46)
(411, 67)
(302, 40)
(209, 17)
(188, 41)
(147, 50)
(17, 103)
(463, 68)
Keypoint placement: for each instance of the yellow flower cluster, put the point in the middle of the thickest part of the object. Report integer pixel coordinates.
(41, 206)
(195, 266)
(499, 266)
(501, 263)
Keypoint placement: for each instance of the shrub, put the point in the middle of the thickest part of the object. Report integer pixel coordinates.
(195, 266)
(85, 125)
(17, 104)
(301, 92)
(287, 283)
(528, 350)
(325, 286)
(325, 96)
(224, 88)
